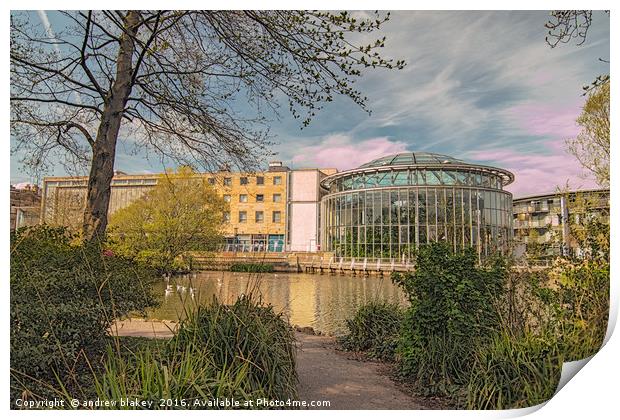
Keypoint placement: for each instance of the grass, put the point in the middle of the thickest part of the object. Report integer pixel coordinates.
(249, 336)
(244, 351)
(514, 372)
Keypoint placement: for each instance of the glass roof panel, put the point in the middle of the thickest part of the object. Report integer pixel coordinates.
(410, 158)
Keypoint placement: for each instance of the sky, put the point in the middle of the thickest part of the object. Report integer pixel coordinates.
(480, 86)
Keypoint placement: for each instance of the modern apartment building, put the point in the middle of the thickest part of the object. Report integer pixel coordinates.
(542, 223)
(256, 220)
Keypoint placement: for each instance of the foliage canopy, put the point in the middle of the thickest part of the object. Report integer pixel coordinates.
(181, 213)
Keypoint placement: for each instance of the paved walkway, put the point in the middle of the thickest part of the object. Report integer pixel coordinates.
(328, 374)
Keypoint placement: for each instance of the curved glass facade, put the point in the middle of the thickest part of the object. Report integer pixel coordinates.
(388, 207)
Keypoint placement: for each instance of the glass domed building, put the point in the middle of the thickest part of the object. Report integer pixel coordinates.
(387, 207)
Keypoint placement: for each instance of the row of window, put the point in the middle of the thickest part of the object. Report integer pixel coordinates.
(244, 180)
(259, 216)
(409, 205)
(260, 198)
(416, 177)
(401, 241)
(84, 182)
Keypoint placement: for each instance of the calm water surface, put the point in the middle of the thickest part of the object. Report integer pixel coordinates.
(322, 302)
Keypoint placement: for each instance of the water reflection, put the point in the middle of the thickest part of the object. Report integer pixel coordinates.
(320, 301)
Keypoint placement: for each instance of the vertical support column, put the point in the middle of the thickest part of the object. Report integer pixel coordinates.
(287, 211)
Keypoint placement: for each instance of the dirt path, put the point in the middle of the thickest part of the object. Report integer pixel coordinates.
(136, 327)
(327, 374)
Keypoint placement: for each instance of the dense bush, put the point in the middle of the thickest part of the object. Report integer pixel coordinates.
(184, 377)
(64, 297)
(374, 329)
(579, 299)
(252, 268)
(453, 307)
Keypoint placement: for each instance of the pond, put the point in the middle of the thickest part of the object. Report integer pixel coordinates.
(322, 302)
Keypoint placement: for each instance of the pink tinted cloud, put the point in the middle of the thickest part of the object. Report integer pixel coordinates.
(537, 173)
(557, 121)
(542, 172)
(341, 152)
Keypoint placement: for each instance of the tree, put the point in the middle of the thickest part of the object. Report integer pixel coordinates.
(536, 249)
(591, 147)
(567, 25)
(181, 213)
(196, 87)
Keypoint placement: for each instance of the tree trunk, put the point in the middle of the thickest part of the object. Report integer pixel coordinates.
(104, 150)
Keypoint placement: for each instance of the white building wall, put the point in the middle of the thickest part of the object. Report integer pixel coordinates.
(303, 210)
(304, 226)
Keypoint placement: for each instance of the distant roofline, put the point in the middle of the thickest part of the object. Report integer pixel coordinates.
(557, 193)
(124, 175)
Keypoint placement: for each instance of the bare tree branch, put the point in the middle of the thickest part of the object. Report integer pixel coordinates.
(198, 87)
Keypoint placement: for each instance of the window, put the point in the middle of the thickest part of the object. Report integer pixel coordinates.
(260, 180)
(243, 198)
(227, 182)
(243, 216)
(243, 180)
(277, 198)
(226, 217)
(276, 217)
(260, 198)
(211, 181)
(227, 198)
(260, 217)
(277, 180)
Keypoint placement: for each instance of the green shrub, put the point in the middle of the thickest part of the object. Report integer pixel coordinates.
(436, 364)
(452, 309)
(244, 351)
(64, 297)
(162, 264)
(514, 372)
(374, 329)
(252, 268)
(245, 336)
(580, 306)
